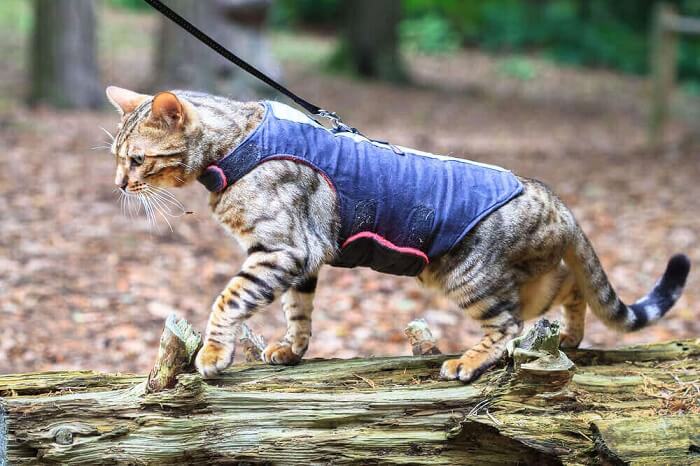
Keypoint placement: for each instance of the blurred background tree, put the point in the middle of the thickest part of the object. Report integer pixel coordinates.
(64, 71)
(370, 43)
(63, 57)
(181, 61)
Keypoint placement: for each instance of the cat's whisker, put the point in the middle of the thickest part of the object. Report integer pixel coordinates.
(121, 202)
(111, 136)
(157, 211)
(152, 209)
(167, 197)
(163, 191)
(168, 203)
(126, 200)
(140, 204)
(130, 204)
(172, 200)
(167, 207)
(147, 210)
(160, 202)
(158, 207)
(125, 206)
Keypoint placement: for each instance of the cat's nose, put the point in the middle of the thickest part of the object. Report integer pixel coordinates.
(123, 183)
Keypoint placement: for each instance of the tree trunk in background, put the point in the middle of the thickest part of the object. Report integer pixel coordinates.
(183, 62)
(64, 70)
(371, 34)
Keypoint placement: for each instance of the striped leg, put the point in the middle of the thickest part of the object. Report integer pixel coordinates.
(264, 276)
(574, 320)
(297, 303)
(497, 316)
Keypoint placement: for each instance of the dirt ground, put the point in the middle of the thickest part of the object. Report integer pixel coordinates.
(84, 286)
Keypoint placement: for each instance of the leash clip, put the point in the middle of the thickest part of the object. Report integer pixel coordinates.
(340, 127)
(337, 122)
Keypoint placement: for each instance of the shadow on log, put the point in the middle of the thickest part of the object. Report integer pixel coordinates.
(637, 405)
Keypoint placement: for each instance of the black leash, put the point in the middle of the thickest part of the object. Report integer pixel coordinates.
(338, 125)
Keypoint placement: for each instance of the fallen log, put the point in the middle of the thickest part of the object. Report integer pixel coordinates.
(636, 405)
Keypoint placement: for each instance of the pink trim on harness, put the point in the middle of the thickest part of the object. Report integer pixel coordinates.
(386, 243)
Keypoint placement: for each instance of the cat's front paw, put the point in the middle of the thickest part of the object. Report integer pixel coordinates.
(462, 370)
(213, 358)
(280, 353)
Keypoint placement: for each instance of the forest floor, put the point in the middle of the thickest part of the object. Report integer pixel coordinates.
(84, 286)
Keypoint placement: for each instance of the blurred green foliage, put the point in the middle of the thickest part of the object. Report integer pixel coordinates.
(519, 68)
(15, 16)
(597, 33)
(430, 33)
(131, 4)
(287, 13)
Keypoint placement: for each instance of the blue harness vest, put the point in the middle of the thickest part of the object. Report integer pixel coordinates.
(399, 208)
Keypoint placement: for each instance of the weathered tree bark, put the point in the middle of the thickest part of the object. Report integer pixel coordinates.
(370, 45)
(638, 405)
(64, 71)
(182, 62)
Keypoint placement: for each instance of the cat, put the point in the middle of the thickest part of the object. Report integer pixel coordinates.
(520, 256)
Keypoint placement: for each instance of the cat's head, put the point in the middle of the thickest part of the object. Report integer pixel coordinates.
(153, 140)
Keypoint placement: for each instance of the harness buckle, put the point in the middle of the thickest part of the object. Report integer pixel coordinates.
(337, 122)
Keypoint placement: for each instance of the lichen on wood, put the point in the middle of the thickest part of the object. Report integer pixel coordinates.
(537, 358)
(650, 440)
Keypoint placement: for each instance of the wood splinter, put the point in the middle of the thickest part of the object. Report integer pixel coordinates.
(253, 345)
(420, 337)
(179, 344)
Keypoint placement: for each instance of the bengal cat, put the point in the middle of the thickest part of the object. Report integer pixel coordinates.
(521, 258)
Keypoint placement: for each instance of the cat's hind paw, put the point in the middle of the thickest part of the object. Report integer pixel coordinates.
(280, 353)
(213, 358)
(567, 340)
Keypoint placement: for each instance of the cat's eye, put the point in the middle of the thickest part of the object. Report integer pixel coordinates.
(137, 159)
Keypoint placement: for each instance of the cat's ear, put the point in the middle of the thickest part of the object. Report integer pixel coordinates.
(169, 109)
(124, 100)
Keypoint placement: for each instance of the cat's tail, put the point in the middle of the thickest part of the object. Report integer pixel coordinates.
(602, 298)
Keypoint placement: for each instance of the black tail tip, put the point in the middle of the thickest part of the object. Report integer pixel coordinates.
(676, 273)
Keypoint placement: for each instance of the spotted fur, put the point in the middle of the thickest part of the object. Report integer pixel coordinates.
(521, 260)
